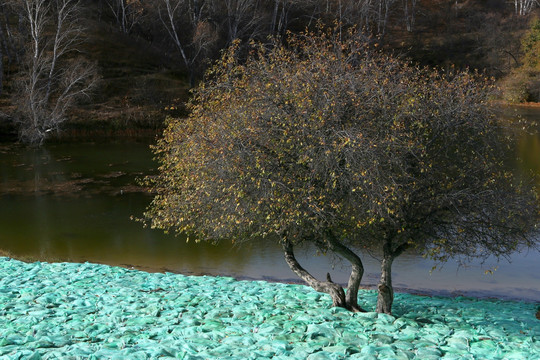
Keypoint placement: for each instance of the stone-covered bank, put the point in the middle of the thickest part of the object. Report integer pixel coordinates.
(89, 311)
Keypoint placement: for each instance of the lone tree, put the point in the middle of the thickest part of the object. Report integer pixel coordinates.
(325, 141)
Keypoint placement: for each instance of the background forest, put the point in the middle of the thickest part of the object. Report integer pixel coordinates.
(101, 67)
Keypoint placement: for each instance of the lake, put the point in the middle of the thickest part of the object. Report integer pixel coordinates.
(73, 202)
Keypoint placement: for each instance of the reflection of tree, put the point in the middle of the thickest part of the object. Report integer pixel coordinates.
(39, 160)
(34, 171)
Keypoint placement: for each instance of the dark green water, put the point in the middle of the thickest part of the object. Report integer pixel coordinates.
(73, 202)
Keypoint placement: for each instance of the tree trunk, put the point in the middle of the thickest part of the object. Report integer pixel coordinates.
(3, 44)
(1, 68)
(170, 26)
(357, 272)
(274, 18)
(283, 19)
(409, 9)
(334, 290)
(9, 48)
(56, 44)
(386, 292)
(392, 248)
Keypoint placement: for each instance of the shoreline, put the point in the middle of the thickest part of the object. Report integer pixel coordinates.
(108, 128)
(290, 281)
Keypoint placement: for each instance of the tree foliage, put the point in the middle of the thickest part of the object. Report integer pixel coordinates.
(523, 84)
(531, 46)
(330, 142)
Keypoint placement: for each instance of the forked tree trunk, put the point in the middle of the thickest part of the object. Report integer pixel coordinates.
(334, 290)
(357, 271)
(385, 297)
(339, 299)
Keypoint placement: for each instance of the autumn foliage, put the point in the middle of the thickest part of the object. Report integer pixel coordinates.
(328, 141)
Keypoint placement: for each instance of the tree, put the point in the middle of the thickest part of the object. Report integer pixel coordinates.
(2, 46)
(530, 45)
(241, 19)
(370, 15)
(523, 83)
(272, 161)
(127, 13)
(280, 16)
(189, 28)
(10, 47)
(383, 9)
(328, 142)
(51, 81)
(524, 7)
(409, 13)
(4, 42)
(439, 183)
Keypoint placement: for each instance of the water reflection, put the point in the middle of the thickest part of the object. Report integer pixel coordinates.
(73, 202)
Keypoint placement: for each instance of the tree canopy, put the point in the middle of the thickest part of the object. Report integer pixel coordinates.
(328, 141)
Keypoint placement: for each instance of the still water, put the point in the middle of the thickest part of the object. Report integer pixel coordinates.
(73, 202)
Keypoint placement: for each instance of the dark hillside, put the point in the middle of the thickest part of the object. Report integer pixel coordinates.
(138, 81)
(144, 78)
(482, 34)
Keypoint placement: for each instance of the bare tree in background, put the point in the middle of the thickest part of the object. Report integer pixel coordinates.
(353, 12)
(51, 81)
(9, 43)
(128, 13)
(280, 14)
(190, 30)
(2, 47)
(409, 13)
(383, 8)
(524, 7)
(370, 15)
(243, 20)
